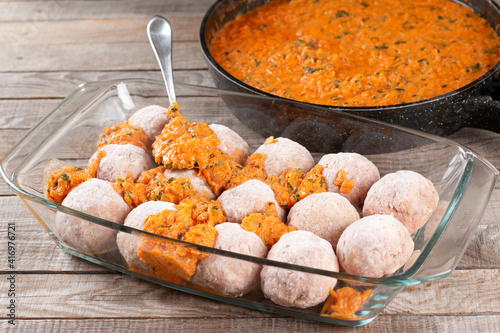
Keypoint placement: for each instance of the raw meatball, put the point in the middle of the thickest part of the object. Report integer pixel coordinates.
(228, 275)
(94, 197)
(128, 244)
(357, 168)
(247, 198)
(374, 246)
(151, 119)
(284, 153)
(122, 159)
(294, 288)
(324, 214)
(408, 196)
(231, 143)
(199, 184)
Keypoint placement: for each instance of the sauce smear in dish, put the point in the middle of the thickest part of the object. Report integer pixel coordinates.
(357, 52)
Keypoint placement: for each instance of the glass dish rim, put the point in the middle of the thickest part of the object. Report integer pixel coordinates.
(399, 279)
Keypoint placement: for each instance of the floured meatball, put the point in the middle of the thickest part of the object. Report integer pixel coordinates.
(94, 197)
(356, 168)
(199, 184)
(122, 159)
(151, 119)
(408, 196)
(374, 246)
(247, 198)
(324, 214)
(283, 153)
(292, 288)
(128, 244)
(228, 275)
(231, 143)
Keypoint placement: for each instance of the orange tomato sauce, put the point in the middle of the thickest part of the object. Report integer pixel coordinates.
(357, 52)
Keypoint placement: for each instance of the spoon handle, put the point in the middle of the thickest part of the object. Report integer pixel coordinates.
(160, 37)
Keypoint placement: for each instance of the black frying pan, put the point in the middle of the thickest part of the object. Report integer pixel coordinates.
(474, 105)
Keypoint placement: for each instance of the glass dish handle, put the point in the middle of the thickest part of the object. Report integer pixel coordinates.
(465, 213)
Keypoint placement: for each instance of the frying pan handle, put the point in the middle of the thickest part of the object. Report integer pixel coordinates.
(482, 113)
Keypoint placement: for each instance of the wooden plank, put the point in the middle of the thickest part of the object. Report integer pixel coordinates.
(60, 84)
(484, 248)
(104, 296)
(115, 30)
(464, 292)
(382, 324)
(52, 10)
(483, 142)
(94, 56)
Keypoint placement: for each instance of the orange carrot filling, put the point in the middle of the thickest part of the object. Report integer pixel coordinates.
(124, 133)
(345, 185)
(267, 225)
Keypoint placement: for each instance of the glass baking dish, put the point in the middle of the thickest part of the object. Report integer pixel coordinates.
(69, 135)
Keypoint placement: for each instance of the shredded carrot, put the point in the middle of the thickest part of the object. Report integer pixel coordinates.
(344, 303)
(267, 225)
(183, 144)
(124, 133)
(62, 181)
(171, 262)
(345, 184)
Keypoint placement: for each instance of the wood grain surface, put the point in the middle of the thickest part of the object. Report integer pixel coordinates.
(50, 47)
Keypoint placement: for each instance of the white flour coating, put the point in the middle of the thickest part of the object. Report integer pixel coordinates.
(199, 184)
(152, 119)
(408, 196)
(128, 244)
(374, 246)
(94, 197)
(122, 159)
(285, 153)
(228, 275)
(231, 143)
(324, 214)
(358, 169)
(294, 288)
(247, 198)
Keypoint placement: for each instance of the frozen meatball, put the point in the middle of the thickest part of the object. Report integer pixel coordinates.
(151, 119)
(129, 244)
(324, 214)
(94, 197)
(356, 168)
(199, 184)
(228, 275)
(408, 196)
(374, 246)
(247, 198)
(283, 153)
(231, 143)
(292, 288)
(122, 159)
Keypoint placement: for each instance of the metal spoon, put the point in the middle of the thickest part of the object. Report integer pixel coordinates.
(160, 37)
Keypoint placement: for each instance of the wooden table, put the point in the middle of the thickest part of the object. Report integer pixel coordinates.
(49, 48)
